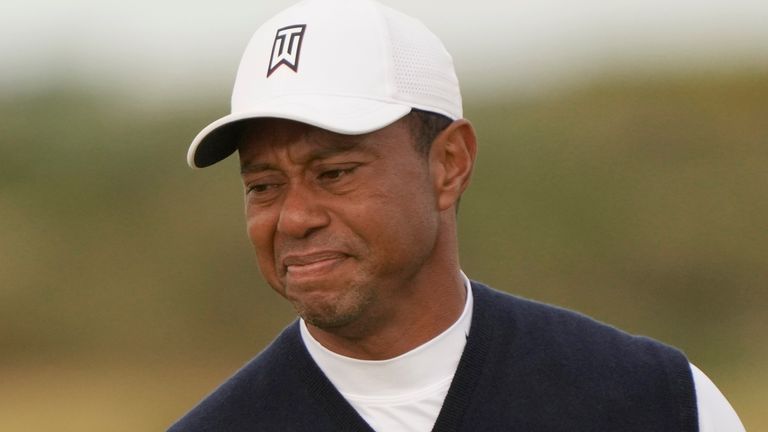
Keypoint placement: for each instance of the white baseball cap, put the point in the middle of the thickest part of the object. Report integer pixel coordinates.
(348, 66)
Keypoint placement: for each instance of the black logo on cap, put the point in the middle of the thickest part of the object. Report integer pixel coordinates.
(286, 48)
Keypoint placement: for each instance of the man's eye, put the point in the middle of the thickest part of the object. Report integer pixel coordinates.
(261, 187)
(335, 174)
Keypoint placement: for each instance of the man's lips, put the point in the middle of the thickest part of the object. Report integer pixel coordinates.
(309, 263)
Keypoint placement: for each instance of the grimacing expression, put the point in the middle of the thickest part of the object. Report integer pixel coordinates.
(340, 223)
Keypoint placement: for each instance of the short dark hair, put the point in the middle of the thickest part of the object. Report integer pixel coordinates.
(425, 127)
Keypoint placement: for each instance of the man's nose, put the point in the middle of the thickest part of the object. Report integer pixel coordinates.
(301, 212)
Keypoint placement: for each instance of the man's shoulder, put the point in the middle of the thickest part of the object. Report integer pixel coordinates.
(589, 372)
(519, 317)
(545, 336)
(250, 391)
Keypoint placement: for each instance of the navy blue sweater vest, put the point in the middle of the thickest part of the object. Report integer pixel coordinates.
(526, 367)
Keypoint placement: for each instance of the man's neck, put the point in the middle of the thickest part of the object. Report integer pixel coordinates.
(423, 314)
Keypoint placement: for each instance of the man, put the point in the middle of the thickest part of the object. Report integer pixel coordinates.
(347, 119)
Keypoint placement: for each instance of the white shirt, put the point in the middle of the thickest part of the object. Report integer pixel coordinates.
(406, 393)
(400, 394)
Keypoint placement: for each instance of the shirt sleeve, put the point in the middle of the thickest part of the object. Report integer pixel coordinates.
(715, 413)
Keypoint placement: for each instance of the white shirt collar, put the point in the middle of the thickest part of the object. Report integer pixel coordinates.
(414, 371)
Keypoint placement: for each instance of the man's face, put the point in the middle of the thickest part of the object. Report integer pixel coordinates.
(342, 225)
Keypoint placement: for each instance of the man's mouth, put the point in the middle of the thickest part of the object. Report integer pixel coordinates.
(311, 264)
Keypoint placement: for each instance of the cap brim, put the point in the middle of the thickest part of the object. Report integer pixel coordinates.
(344, 115)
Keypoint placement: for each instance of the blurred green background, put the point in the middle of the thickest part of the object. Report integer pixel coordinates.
(622, 172)
(129, 289)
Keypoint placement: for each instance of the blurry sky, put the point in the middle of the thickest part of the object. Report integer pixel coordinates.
(161, 47)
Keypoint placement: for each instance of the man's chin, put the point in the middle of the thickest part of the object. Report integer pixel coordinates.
(332, 312)
(326, 318)
(328, 322)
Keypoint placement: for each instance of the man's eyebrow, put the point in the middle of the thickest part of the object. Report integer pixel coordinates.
(320, 152)
(337, 147)
(250, 168)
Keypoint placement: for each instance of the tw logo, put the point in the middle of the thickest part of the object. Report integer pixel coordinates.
(286, 48)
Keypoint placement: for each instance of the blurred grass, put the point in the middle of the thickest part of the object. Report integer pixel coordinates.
(128, 289)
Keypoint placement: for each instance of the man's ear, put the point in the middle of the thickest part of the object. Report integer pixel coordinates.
(451, 158)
